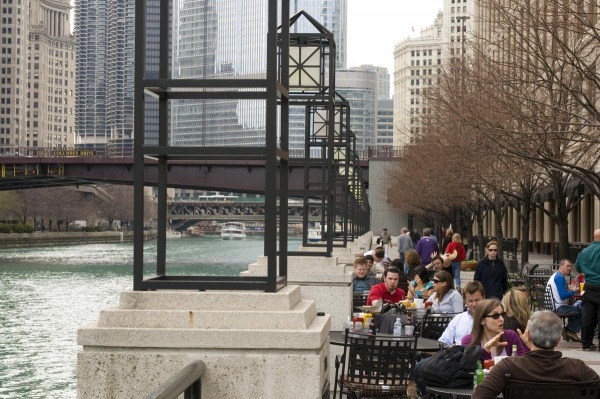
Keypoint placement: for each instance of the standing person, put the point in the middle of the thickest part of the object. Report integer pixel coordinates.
(588, 262)
(562, 292)
(488, 332)
(445, 298)
(492, 273)
(542, 364)
(426, 246)
(387, 291)
(385, 239)
(447, 239)
(456, 245)
(404, 243)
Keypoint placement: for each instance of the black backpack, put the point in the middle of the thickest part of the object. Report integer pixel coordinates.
(451, 368)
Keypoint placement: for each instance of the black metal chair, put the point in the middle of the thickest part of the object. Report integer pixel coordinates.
(526, 269)
(434, 324)
(359, 299)
(374, 367)
(550, 304)
(515, 389)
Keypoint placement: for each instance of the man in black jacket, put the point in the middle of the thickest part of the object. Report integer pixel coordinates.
(492, 273)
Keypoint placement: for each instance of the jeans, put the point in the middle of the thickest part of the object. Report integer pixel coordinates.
(401, 256)
(420, 385)
(574, 323)
(590, 314)
(456, 269)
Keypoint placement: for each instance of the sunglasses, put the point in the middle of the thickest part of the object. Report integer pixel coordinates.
(492, 250)
(496, 316)
(435, 280)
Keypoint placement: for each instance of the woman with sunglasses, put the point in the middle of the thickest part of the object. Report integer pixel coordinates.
(488, 332)
(445, 298)
(492, 273)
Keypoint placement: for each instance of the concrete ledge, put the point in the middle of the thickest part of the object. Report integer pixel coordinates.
(284, 299)
(298, 318)
(311, 338)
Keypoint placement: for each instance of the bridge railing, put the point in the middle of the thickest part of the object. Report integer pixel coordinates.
(186, 381)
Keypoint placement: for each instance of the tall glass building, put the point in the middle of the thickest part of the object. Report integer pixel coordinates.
(226, 38)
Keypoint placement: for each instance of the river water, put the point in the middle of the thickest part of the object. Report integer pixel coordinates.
(47, 293)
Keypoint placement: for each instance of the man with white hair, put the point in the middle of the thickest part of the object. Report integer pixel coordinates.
(542, 364)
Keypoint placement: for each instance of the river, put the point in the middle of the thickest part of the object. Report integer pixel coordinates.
(47, 293)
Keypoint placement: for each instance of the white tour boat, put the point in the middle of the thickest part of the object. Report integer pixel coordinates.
(233, 231)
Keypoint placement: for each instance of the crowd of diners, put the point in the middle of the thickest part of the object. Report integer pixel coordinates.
(487, 312)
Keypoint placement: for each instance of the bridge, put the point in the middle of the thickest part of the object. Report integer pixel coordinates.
(37, 167)
(84, 167)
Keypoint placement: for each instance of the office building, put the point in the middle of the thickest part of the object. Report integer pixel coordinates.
(418, 61)
(37, 67)
(226, 38)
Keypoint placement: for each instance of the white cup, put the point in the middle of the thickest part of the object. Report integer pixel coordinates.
(419, 303)
(409, 330)
(497, 359)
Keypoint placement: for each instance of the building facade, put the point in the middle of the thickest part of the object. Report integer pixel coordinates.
(226, 38)
(418, 61)
(36, 76)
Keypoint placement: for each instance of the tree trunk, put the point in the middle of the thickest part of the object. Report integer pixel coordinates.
(480, 234)
(525, 216)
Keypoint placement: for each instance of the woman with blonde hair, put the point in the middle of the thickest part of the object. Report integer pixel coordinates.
(489, 333)
(517, 310)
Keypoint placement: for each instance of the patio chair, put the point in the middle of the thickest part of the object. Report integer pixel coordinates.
(521, 279)
(550, 304)
(374, 367)
(515, 389)
(359, 299)
(434, 324)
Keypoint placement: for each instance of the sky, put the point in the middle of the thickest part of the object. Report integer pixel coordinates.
(375, 26)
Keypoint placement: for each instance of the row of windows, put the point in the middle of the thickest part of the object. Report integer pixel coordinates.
(429, 52)
(416, 110)
(464, 9)
(415, 72)
(425, 62)
(458, 1)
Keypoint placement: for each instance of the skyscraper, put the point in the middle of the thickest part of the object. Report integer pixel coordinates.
(418, 61)
(226, 38)
(36, 76)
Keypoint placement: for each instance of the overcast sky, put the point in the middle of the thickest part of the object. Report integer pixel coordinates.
(375, 26)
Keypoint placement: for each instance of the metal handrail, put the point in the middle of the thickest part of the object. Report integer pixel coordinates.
(187, 380)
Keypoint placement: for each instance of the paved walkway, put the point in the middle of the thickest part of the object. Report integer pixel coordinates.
(569, 349)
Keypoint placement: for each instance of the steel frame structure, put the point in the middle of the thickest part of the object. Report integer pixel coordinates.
(273, 90)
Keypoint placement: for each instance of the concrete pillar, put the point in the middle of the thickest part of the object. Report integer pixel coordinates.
(254, 344)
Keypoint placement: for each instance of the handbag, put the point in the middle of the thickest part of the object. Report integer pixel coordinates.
(451, 368)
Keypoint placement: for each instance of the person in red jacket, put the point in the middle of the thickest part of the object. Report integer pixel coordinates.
(456, 245)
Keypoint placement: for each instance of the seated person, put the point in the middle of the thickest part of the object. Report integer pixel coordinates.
(387, 291)
(438, 263)
(517, 310)
(489, 333)
(411, 261)
(562, 292)
(370, 262)
(542, 364)
(445, 299)
(420, 287)
(380, 260)
(460, 326)
(361, 281)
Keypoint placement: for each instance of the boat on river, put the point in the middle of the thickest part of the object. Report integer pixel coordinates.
(233, 231)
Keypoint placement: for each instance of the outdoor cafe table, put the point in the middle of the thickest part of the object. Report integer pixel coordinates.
(423, 344)
(454, 393)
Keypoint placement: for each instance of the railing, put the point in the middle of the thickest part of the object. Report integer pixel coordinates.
(379, 152)
(187, 381)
